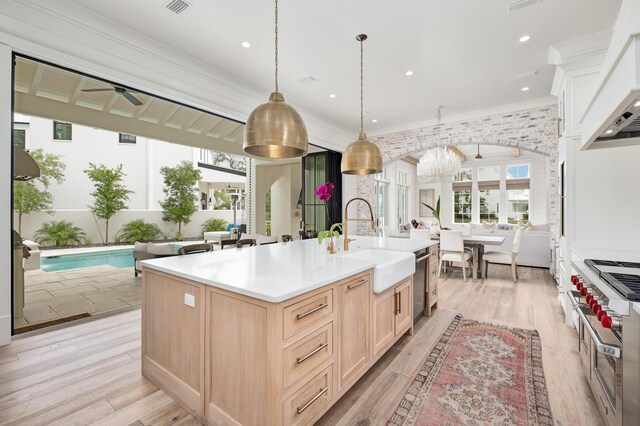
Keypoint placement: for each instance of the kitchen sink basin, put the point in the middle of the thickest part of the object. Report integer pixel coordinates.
(391, 266)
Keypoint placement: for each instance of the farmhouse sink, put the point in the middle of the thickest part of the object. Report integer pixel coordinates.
(391, 266)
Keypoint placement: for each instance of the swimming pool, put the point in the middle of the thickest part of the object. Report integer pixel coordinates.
(117, 258)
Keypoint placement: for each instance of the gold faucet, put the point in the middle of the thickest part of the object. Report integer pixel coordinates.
(346, 220)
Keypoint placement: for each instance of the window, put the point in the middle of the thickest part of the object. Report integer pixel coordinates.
(19, 136)
(520, 171)
(489, 193)
(61, 131)
(382, 198)
(125, 138)
(462, 196)
(402, 198)
(517, 193)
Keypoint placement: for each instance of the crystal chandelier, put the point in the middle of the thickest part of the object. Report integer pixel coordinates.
(438, 164)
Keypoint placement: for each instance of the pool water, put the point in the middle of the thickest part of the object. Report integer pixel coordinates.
(117, 258)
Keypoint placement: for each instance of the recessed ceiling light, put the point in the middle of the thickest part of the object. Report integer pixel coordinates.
(524, 38)
(637, 104)
(525, 89)
(609, 131)
(333, 95)
(246, 44)
(409, 73)
(374, 121)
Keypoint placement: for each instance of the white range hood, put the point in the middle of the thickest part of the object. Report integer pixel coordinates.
(613, 118)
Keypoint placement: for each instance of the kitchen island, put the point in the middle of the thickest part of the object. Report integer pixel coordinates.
(272, 334)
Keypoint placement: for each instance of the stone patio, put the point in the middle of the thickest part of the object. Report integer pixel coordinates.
(93, 290)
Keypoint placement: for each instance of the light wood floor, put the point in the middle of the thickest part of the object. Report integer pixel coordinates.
(90, 373)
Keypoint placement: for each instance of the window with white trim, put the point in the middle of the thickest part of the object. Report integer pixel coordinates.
(127, 138)
(489, 193)
(402, 198)
(382, 198)
(518, 193)
(462, 197)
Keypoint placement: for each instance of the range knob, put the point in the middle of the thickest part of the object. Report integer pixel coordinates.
(579, 285)
(596, 308)
(583, 291)
(589, 299)
(574, 279)
(601, 313)
(606, 321)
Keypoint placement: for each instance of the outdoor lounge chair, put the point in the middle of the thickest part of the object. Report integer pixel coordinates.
(145, 251)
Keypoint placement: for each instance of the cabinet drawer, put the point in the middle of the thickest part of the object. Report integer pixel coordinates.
(312, 399)
(306, 312)
(306, 354)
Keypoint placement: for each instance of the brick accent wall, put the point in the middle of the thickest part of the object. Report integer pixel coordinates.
(533, 129)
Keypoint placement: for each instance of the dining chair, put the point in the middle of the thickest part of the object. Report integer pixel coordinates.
(504, 258)
(194, 248)
(452, 250)
(286, 238)
(246, 242)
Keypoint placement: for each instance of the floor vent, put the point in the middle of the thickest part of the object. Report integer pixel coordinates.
(177, 6)
(519, 4)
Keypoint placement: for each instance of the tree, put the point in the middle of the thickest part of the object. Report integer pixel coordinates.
(222, 199)
(234, 162)
(33, 196)
(180, 191)
(110, 194)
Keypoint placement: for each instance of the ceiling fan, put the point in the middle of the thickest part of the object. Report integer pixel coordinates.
(120, 90)
(478, 155)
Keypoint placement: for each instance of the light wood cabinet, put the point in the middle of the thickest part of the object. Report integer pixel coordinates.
(431, 300)
(392, 316)
(384, 321)
(353, 329)
(236, 360)
(404, 309)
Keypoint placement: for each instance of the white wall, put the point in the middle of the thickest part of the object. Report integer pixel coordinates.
(6, 182)
(285, 182)
(141, 162)
(84, 220)
(606, 198)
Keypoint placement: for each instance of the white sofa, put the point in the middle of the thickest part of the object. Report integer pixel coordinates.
(535, 248)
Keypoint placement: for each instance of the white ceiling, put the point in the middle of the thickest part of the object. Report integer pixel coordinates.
(464, 54)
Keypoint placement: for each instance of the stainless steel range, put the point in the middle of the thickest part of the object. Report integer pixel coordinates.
(604, 296)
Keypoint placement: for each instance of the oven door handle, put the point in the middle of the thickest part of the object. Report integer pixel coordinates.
(602, 347)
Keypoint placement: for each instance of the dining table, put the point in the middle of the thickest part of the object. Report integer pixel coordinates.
(477, 243)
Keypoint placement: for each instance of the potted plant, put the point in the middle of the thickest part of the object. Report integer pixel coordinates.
(435, 211)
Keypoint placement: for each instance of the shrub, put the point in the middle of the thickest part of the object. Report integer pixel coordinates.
(139, 230)
(60, 233)
(211, 225)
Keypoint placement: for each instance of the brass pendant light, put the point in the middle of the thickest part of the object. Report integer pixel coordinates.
(361, 156)
(275, 129)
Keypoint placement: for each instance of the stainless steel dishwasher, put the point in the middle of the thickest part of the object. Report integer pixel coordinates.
(420, 283)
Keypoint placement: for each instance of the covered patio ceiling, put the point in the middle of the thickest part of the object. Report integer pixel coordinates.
(46, 91)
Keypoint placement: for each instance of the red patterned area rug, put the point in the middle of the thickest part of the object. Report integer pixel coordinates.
(479, 374)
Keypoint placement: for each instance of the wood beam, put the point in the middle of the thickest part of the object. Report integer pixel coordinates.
(143, 108)
(112, 102)
(169, 115)
(459, 153)
(410, 160)
(78, 90)
(37, 77)
(191, 122)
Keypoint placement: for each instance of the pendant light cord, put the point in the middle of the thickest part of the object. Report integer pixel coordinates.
(361, 87)
(276, 45)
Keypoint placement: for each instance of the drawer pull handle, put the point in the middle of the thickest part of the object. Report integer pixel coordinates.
(349, 287)
(399, 303)
(312, 311)
(302, 359)
(305, 406)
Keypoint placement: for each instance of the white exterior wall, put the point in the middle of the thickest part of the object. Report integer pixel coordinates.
(141, 162)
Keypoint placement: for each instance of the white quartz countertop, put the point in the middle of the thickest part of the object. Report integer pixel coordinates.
(277, 272)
